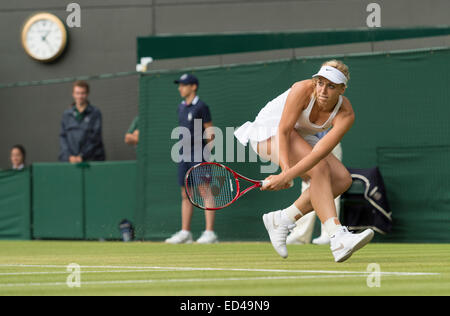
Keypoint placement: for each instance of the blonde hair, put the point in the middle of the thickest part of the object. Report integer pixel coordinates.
(339, 65)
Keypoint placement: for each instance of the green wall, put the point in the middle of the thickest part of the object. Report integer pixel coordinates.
(84, 201)
(64, 201)
(110, 197)
(15, 204)
(194, 45)
(58, 201)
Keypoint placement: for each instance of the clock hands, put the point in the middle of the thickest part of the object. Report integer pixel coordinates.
(44, 38)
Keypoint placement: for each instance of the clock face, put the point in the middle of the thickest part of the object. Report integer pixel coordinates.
(44, 37)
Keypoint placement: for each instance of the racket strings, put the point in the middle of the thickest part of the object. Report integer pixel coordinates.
(211, 186)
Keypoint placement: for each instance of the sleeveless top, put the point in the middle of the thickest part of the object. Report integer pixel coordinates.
(304, 125)
(266, 122)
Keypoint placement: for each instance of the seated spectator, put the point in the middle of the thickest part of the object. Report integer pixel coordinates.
(81, 129)
(132, 136)
(17, 157)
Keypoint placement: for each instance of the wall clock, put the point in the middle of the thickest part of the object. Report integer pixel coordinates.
(44, 37)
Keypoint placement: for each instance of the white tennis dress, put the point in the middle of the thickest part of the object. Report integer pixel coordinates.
(266, 123)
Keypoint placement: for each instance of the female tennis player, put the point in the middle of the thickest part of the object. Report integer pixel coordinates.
(284, 133)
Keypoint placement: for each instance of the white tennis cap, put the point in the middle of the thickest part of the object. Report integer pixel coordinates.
(332, 74)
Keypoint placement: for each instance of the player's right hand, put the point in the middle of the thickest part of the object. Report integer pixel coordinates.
(277, 182)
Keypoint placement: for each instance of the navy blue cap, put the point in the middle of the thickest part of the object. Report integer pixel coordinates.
(187, 79)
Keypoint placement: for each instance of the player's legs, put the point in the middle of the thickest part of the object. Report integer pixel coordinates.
(324, 239)
(329, 172)
(341, 180)
(342, 243)
(302, 233)
(328, 179)
(319, 196)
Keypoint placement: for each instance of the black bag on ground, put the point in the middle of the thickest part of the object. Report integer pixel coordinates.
(365, 204)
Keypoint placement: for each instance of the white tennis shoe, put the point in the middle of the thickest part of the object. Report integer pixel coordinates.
(181, 237)
(278, 232)
(208, 237)
(343, 244)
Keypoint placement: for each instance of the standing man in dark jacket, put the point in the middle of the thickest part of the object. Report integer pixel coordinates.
(81, 129)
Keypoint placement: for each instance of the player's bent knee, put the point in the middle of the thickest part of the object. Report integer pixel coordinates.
(345, 182)
(322, 169)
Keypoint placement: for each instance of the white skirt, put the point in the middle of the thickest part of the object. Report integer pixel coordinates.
(265, 124)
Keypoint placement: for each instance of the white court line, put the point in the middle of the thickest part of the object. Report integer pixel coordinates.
(82, 272)
(220, 269)
(182, 280)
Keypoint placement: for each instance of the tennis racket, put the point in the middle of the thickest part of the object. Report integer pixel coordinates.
(213, 186)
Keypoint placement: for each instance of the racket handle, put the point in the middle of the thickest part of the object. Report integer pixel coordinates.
(266, 182)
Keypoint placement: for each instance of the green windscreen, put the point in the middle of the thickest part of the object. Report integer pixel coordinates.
(82, 201)
(58, 201)
(400, 100)
(15, 204)
(418, 182)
